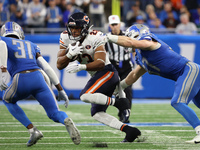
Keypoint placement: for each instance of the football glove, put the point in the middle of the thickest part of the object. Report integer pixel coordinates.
(74, 50)
(3, 79)
(63, 96)
(73, 68)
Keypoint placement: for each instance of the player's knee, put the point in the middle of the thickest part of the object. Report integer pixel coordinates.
(95, 115)
(85, 97)
(173, 103)
(53, 116)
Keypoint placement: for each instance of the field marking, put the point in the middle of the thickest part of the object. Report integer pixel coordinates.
(79, 102)
(139, 124)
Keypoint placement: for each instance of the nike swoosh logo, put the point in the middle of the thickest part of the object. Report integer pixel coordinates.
(196, 142)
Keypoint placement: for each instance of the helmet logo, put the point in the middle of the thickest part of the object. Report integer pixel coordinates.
(86, 18)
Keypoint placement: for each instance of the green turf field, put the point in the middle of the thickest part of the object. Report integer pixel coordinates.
(13, 136)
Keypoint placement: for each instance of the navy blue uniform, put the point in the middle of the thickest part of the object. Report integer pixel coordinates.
(103, 82)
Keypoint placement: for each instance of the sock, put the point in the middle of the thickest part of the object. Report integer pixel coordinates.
(125, 128)
(122, 103)
(97, 98)
(197, 129)
(108, 120)
(31, 130)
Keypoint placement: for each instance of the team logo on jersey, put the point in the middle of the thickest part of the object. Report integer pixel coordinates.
(88, 46)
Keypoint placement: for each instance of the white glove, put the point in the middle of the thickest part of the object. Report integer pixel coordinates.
(74, 50)
(73, 68)
(3, 79)
(63, 96)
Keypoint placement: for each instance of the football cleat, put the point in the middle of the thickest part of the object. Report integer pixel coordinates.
(35, 136)
(138, 139)
(131, 134)
(195, 140)
(73, 131)
(124, 115)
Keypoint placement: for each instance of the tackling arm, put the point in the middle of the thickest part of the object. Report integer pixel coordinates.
(134, 75)
(129, 42)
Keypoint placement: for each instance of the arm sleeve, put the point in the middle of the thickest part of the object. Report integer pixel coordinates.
(48, 70)
(4, 54)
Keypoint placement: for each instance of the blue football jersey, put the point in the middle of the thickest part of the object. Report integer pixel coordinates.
(162, 61)
(21, 55)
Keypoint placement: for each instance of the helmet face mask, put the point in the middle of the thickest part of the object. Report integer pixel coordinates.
(78, 21)
(12, 29)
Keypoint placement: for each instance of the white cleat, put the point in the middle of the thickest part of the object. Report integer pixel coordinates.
(195, 140)
(35, 136)
(73, 131)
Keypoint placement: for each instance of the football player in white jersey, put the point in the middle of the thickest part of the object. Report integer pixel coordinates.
(87, 46)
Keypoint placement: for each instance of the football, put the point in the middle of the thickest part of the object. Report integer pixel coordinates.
(75, 57)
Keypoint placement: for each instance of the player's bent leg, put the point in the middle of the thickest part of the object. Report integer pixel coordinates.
(57, 116)
(191, 117)
(73, 131)
(187, 113)
(97, 98)
(18, 113)
(131, 132)
(101, 99)
(35, 135)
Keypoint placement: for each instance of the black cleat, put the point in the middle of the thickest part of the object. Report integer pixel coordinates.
(131, 134)
(124, 115)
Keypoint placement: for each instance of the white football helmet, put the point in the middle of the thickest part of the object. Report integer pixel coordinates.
(137, 31)
(12, 28)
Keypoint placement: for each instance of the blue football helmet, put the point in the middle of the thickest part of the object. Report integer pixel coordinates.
(12, 29)
(78, 20)
(137, 31)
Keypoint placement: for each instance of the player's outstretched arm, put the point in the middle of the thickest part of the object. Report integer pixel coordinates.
(132, 43)
(133, 76)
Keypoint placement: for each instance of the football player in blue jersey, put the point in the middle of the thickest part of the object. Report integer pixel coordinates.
(22, 59)
(156, 57)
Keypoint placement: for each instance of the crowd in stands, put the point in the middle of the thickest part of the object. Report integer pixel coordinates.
(181, 15)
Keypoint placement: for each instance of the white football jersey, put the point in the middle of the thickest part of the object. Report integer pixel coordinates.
(93, 40)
